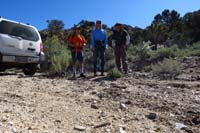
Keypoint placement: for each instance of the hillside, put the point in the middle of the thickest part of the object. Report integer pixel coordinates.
(167, 28)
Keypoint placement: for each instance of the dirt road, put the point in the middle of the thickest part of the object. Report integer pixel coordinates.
(133, 104)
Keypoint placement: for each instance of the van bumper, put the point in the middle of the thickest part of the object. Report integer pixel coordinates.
(19, 59)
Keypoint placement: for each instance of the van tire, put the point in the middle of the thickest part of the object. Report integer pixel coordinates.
(30, 69)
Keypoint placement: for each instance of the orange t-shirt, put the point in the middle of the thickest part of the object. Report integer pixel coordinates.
(77, 41)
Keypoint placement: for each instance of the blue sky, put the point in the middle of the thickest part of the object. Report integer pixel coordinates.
(133, 12)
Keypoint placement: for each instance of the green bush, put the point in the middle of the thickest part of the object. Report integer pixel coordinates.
(138, 55)
(189, 50)
(168, 68)
(193, 50)
(196, 45)
(57, 55)
(142, 52)
(162, 53)
(88, 58)
(115, 73)
(110, 59)
(59, 62)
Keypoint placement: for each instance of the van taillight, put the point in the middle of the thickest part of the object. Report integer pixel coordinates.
(41, 47)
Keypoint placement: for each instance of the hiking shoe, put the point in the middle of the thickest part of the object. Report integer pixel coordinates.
(126, 72)
(102, 74)
(74, 76)
(82, 75)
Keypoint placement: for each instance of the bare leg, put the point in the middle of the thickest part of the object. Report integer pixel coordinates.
(74, 69)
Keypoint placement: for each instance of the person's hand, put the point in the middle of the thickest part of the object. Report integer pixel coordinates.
(91, 47)
(113, 44)
(106, 47)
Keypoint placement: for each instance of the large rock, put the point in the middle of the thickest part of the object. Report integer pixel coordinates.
(152, 116)
(79, 128)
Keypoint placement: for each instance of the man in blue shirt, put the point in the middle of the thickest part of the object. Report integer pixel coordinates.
(99, 44)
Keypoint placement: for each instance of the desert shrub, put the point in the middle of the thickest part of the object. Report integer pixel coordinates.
(59, 62)
(162, 53)
(57, 55)
(138, 55)
(139, 52)
(147, 68)
(131, 50)
(142, 51)
(196, 45)
(168, 68)
(194, 53)
(88, 58)
(110, 59)
(115, 73)
(181, 53)
(110, 64)
(189, 50)
(193, 50)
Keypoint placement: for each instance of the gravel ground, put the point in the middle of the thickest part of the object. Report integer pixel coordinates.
(133, 104)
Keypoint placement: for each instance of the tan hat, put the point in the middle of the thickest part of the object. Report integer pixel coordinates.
(76, 27)
(118, 24)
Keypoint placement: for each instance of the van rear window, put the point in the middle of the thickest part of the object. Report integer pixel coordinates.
(19, 30)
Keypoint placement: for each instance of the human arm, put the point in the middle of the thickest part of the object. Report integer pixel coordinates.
(113, 42)
(92, 39)
(83, 41)
(127, 39)
(105, 40)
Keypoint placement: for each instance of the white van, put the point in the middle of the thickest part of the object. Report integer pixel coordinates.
(20, 46)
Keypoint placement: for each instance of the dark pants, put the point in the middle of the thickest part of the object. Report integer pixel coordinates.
(120, 57)
(99, 51)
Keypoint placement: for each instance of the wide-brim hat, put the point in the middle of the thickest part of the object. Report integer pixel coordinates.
(118, 24)
(76, 27)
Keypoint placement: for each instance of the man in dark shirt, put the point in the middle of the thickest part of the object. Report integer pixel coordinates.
(120, 42)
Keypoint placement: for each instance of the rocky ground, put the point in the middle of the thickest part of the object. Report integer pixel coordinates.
(137, 103)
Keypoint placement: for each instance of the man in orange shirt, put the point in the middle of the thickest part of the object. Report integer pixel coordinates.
(76, 42)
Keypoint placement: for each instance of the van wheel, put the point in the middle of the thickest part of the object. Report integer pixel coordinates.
(30, 70)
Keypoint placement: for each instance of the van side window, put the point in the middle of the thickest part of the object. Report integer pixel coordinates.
(15, 29)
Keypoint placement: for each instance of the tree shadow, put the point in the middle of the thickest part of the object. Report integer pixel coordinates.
(40, 75)
(101, 78)
(37, 75)
(6, 74)
(19, 74)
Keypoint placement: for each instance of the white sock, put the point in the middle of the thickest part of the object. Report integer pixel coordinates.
(74, 69)
(82, 70)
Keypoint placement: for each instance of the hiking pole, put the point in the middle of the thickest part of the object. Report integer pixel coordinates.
(75, 59)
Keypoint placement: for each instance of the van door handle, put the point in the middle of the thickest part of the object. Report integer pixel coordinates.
(31, 49)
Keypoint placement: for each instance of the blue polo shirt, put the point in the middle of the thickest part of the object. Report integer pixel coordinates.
(99, 35)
